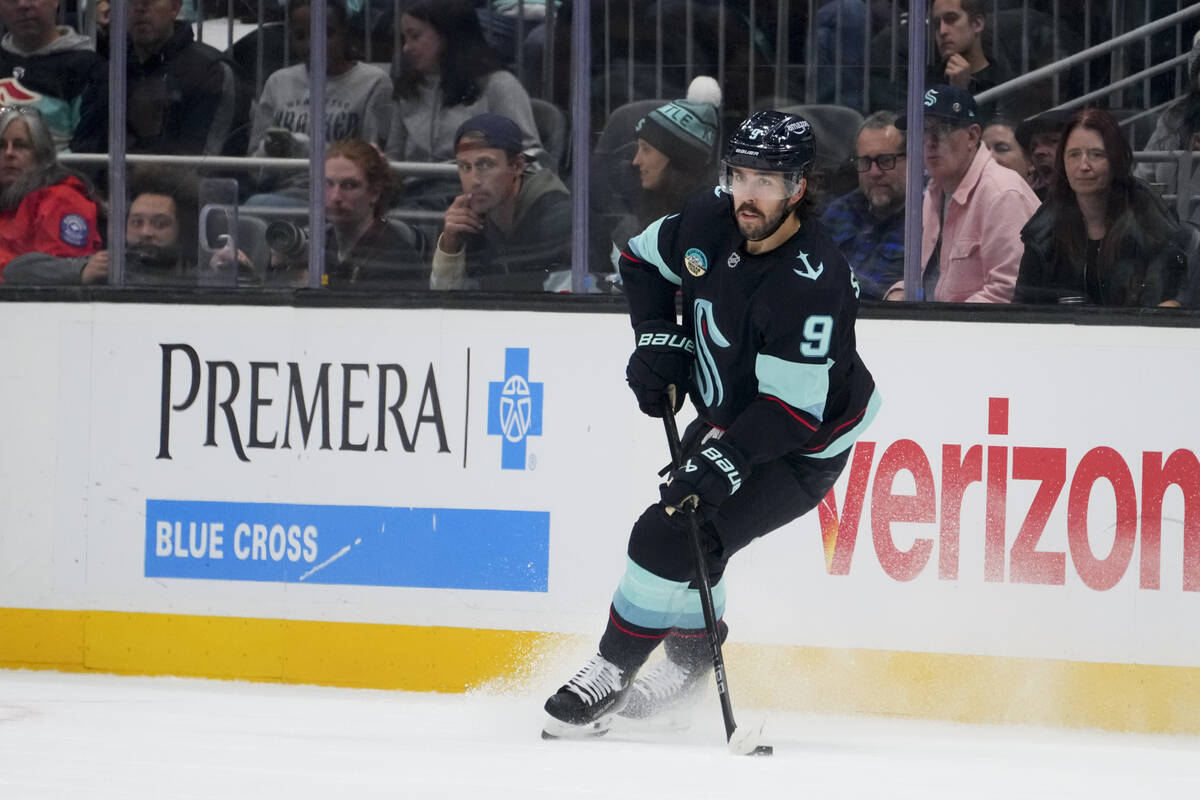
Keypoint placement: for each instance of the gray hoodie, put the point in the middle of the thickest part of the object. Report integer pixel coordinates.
(60, 80)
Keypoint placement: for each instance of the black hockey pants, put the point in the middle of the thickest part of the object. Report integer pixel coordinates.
(776, 493)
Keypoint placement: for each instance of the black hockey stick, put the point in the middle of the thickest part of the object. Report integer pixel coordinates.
(741, 742)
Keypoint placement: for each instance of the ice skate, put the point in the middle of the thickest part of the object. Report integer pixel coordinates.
(667, 692)
(585, 705)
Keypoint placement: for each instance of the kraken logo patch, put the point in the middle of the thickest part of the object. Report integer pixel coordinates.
(734, 259)
(696, 262)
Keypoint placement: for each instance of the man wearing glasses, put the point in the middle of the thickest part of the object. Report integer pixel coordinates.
(973, 211)
(867, 224)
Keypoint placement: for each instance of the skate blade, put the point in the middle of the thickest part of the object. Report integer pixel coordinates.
(675, 719)
(557, 729)
(677, 716)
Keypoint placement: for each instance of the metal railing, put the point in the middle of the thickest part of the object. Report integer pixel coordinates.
(770, 50)
(1139, 34)
(1187, 177)
(415, 168)
(758, 43)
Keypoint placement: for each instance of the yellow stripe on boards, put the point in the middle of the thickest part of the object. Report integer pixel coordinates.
(291, 651)
(36, 637)
(988, 689)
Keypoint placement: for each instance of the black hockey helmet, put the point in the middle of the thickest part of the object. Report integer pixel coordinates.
(772, 141)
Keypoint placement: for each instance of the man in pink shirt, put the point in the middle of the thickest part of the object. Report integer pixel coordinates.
(973, 211)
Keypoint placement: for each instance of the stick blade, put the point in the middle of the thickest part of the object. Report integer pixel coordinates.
(744, 741)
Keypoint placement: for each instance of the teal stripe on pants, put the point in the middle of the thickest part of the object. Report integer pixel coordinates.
(649, 601)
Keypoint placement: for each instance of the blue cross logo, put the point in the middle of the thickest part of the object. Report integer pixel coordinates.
(514, 408)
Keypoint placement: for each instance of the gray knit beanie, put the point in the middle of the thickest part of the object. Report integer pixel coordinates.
(685, 131)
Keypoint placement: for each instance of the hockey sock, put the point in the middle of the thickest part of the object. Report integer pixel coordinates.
(689, 647)
(628, 645)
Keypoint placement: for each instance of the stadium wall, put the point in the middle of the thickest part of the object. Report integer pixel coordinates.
(438, 499)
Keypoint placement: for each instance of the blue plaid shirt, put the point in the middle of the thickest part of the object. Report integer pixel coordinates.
(874, 248)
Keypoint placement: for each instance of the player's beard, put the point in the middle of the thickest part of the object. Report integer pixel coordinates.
(765, 225)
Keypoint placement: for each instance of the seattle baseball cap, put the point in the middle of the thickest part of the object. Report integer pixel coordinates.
(495, 130)
(949, 103)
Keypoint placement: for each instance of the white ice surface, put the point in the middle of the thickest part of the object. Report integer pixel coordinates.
(96, 736)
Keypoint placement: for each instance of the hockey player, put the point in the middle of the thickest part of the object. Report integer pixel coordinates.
(766, 352)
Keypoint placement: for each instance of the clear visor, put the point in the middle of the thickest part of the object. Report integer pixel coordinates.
(745, 182)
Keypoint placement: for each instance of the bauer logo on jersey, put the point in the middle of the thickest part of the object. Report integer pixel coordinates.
(73, 230)
(696, 262)
(515, 409)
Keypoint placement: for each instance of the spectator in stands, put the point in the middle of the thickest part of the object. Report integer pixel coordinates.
(362, 247)
(449, 75)
(161, 229)
(49, 67)
(840, 47)
(160, 238)
(1103, 237)
(867, 224)
(270, 35)
(676, 157)
(357, 105)
(43, 207)
(103, 18)
(973, 210)
(499, 22)
(182, 97)
(1177, 128)
(1000, 138)
(510, 228)
(959, 38)
(1039, 137)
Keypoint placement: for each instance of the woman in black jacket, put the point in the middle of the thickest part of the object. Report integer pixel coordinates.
(1103, 237)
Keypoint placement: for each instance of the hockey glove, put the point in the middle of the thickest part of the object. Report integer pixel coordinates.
(661, 366)
(710, 476)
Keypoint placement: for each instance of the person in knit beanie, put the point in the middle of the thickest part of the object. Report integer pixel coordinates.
(677, 155)
(677, 149)
(1178, 128)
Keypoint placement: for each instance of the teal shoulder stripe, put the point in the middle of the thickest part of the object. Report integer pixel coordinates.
(645, 247)
(802, 386)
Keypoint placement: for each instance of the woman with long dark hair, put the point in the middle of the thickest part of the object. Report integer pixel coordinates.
(449, 74)
(1103, 237)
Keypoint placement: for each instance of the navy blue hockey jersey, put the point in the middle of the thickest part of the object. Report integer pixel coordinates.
(776, 364)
